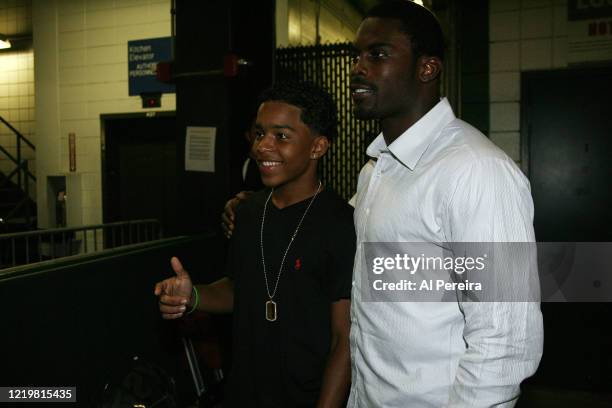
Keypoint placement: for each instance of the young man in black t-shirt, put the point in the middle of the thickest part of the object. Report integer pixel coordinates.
(290, 265)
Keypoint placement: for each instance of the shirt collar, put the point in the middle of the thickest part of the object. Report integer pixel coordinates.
(410, 145)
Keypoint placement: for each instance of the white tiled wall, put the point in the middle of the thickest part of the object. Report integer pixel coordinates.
(15, 17)
(524, 35)
(91, 79)
(16, 83)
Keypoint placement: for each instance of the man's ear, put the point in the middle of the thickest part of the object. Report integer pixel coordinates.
(430, 68)
(319, 147)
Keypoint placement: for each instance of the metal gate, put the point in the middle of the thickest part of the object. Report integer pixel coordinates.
(328, 66)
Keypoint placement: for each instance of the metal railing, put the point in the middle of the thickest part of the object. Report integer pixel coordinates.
(23, 173)
(22, 248)
(25, 201)
(19, 138)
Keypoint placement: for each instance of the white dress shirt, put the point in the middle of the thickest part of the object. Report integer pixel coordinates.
(441, 181)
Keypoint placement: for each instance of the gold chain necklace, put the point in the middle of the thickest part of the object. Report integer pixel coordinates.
(271, 307)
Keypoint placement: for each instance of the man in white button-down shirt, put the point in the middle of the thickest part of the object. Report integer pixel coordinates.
(432, 179)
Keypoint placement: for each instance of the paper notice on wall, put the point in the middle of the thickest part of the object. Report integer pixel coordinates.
(200, 149)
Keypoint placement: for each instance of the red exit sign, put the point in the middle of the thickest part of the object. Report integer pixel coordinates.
(600, 28)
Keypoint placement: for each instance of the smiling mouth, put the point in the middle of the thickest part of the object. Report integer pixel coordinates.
(358, 91)
(268, 164)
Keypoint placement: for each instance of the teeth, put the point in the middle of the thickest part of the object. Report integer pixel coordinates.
(270, 163)
(361, 90)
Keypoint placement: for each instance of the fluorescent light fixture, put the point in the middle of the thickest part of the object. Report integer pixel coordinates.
(4, 42)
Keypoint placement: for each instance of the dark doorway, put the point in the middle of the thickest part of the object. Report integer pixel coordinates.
(567, 144)
(567, 150)
(139, 175)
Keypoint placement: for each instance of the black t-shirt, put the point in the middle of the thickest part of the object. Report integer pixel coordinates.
(281, 363)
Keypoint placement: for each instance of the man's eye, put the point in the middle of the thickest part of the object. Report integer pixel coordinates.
(378, 54)
(281, 136)
(258, 135)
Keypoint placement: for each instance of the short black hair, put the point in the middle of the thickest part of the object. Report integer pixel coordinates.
(318, 107)
(418, 23)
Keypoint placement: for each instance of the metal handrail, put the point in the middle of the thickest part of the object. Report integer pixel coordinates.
(77, 229)
(35, 246)
(17, 160)
(24, 164)
(25, 201)
(17, 133)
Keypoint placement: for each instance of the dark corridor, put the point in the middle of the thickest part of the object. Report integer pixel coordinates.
(566, 150)
(139, 174)
(567, 146)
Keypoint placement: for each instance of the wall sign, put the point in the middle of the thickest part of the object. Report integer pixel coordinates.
(200, 148)
(589, 30)
(143, 56)
(72, 151)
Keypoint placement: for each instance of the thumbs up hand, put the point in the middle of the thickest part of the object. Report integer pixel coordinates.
(174, 293)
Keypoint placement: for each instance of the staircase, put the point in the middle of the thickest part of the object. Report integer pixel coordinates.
(17, 209)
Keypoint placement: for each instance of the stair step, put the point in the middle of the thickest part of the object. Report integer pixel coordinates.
(12, 194)
(6, 209)
(21, 226)
(19, 220)
(8, 204)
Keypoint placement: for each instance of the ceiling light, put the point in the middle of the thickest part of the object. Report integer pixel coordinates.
(4, 42)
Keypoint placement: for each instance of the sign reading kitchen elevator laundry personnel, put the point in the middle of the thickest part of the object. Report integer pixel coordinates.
(143, 56)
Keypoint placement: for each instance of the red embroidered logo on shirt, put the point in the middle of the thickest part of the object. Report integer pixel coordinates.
(298, 264)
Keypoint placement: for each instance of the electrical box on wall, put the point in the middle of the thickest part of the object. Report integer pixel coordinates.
(64, 198)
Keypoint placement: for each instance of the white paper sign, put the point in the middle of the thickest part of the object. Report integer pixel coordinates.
(200, 149)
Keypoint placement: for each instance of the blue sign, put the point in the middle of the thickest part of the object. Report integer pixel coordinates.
(588, 9)
(143, 56)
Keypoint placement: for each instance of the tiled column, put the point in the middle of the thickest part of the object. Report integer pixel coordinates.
(524, 35)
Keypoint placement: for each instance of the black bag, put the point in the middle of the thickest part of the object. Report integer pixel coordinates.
(143, 383)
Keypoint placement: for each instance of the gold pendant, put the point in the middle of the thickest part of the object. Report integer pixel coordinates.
(271, 310)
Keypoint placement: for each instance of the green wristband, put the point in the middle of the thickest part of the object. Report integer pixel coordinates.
(197, 299)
